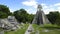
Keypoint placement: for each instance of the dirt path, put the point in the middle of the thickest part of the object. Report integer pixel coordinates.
(29, 30)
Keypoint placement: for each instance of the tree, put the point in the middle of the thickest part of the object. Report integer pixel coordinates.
(52, 16)
(30, 18)
(22, 16)
(4, 11)
(57, 21)
(3, 15)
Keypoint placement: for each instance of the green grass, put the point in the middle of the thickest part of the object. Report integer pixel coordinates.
(19, 31)
(50, 32)
(1, 29)
(53, 29)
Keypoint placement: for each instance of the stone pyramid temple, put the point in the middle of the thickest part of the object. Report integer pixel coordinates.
(40, 17)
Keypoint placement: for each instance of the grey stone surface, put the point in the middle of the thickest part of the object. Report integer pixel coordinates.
(9, 23)
(40, 17)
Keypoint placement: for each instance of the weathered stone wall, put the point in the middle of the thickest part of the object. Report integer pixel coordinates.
(9, 24)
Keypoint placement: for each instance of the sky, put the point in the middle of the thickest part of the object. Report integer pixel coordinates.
(31, 5)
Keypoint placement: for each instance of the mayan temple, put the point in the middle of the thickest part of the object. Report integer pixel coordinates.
(40, 17)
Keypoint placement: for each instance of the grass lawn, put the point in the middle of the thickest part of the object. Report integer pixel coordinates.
(52, 29)
(51, 32)
(19, 31)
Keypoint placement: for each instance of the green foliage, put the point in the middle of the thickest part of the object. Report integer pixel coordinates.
(30, 18)
(4, 11)
(3, 15)
(52, 16)
(58, 20)
(22, 16)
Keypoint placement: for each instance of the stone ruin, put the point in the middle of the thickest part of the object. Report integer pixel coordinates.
(40, 17)
(9, 23)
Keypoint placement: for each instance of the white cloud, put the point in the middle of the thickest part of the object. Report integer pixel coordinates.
(32, 3)
(48, 8)
(31, 11)
(57, 4)
(11, 10)
(44, 6)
